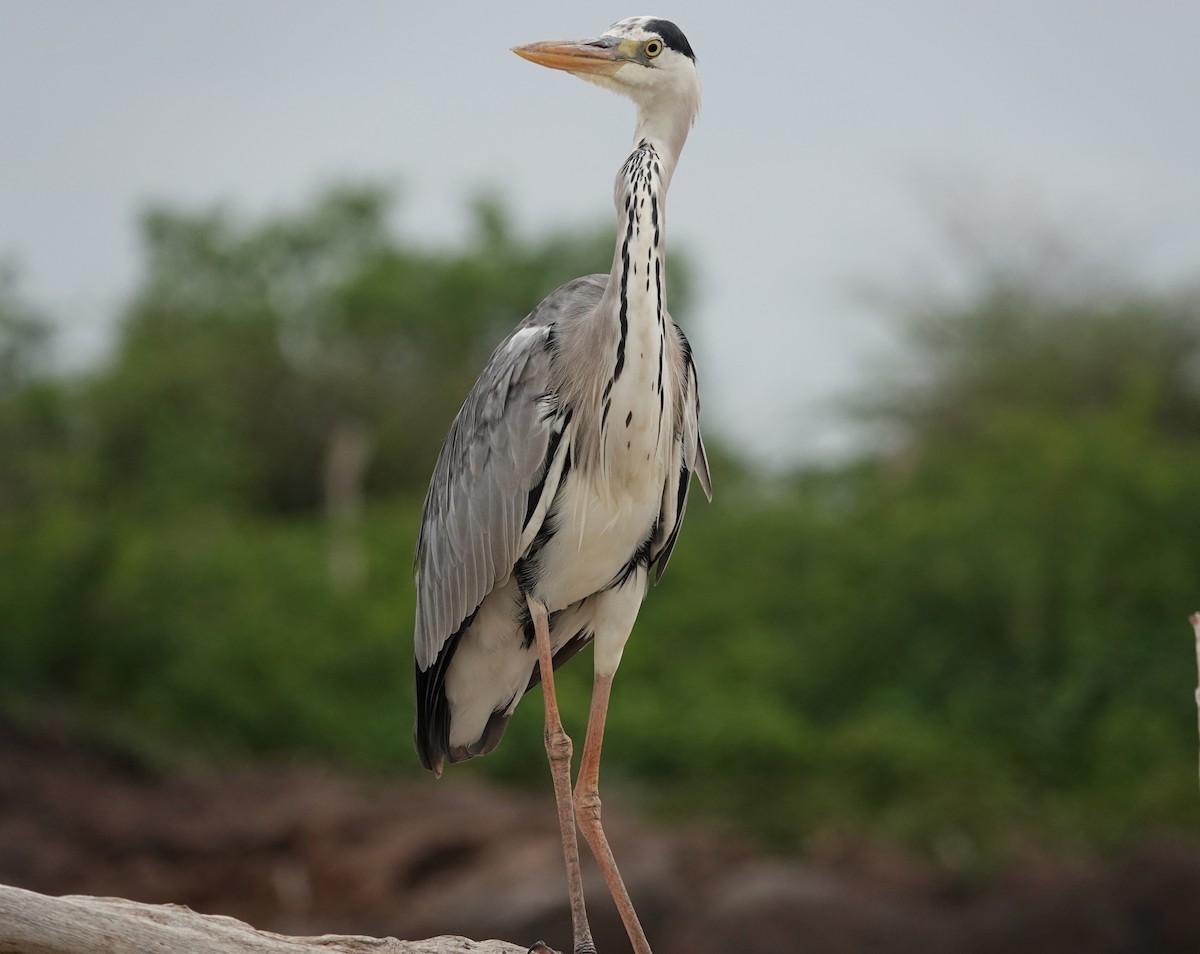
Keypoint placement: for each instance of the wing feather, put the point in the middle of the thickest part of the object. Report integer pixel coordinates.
(496, 446)
(503, 444)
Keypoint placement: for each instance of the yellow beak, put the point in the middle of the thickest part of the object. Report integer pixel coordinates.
(575, 56)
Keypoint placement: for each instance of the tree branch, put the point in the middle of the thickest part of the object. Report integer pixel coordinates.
(32, 923)
(1195, 621)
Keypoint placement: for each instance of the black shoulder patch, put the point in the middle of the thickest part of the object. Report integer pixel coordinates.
(672, 36)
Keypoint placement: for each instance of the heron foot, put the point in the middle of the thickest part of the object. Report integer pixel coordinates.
(541, 947)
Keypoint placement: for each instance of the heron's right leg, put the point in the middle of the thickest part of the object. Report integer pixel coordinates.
(587, 805)
(558, 749)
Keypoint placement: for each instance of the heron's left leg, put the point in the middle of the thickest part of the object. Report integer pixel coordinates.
(622, 609)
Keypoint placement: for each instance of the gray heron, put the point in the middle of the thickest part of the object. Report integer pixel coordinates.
(564, 479)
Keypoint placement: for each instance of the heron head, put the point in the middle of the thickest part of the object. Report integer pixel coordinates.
(645, 58)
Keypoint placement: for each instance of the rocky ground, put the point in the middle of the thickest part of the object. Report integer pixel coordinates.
(305, 851)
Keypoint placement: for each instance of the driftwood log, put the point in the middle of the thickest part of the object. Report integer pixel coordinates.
(32, 923)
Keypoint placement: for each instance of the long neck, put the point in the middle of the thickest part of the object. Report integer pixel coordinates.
(624, 355)
(640, 195)
(617, 356)
(666, 130)
(638, 276)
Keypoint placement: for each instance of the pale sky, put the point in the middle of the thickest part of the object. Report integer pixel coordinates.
(828, 133)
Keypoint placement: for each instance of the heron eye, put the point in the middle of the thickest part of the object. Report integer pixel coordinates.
(653, 47)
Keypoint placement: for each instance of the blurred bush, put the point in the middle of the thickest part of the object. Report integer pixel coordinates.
(976, 633)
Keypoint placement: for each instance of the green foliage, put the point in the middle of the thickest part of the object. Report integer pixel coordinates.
(250, 344)
(1014, 351)
(975, 635)
(24, 336)
(31, 420)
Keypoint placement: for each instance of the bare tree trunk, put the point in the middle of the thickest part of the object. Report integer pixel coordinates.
(345, 468)
(1195, 621)
(32, 923)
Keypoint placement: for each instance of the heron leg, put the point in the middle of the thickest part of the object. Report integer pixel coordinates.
(587, 812)
(558, 749)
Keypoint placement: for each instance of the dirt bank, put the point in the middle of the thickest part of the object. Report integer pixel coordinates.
(305, 850)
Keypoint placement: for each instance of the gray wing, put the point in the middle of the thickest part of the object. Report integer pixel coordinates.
(494, 476)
